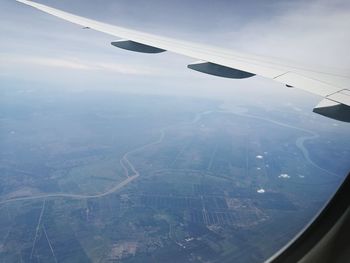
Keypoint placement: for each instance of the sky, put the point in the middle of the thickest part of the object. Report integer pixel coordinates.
(36, 48)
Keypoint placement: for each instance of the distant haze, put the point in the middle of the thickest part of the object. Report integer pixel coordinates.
(40, 48)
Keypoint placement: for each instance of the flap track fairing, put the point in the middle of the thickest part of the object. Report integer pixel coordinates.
(220, 71)
(137, 47)
(334, 110)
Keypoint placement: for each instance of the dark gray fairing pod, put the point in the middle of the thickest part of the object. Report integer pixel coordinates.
(220, 71)
(334, 110)
(137, 47)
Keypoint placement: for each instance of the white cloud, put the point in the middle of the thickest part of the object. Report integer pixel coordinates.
(72, 63)
(260, 191)
(315, 33)
(284, 176)
(51, 62)
(124, 68)
(259, 157)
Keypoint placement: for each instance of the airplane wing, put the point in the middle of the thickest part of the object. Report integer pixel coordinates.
(227, 63)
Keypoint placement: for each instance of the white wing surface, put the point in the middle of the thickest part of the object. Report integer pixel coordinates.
(227, 63)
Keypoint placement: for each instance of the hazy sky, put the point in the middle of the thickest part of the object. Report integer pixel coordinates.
(38, 48)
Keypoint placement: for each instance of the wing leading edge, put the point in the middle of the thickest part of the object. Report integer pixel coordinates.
(226, 63)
